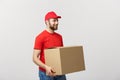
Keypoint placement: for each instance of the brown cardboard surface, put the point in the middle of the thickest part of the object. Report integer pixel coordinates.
(65, 60)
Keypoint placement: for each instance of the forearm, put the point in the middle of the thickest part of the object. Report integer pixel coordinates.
(39, 62)
(36, 60)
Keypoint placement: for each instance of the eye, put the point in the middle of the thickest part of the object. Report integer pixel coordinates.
(55, 20)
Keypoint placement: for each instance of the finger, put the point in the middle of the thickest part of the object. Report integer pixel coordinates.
(51, 74)
(53, 71)
(54, 74)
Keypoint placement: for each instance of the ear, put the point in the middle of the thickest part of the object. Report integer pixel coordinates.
(46, 22)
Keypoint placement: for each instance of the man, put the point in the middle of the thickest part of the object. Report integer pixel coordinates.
(47, 39)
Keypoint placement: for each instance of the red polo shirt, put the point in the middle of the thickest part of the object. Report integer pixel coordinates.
(47, 40)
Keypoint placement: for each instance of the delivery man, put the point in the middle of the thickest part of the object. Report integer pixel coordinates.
(47, 39)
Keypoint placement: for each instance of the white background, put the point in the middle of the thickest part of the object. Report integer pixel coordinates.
(95, 24)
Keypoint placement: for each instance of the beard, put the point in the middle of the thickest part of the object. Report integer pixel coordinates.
(53, 27)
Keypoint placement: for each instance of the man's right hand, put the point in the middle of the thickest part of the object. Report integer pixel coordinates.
(49, 71)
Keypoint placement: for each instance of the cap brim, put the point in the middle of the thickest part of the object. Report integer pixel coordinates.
(58, 17)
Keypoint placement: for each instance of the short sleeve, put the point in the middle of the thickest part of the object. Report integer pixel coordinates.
(62, 41)
(38, 43)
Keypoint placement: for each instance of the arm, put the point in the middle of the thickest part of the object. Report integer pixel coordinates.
(36, 60)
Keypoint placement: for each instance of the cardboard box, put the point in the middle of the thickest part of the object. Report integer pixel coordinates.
(65, 60)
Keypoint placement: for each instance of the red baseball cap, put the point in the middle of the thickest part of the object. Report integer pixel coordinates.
(51, 14)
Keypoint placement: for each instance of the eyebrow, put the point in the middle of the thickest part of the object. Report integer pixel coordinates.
(55, 19)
